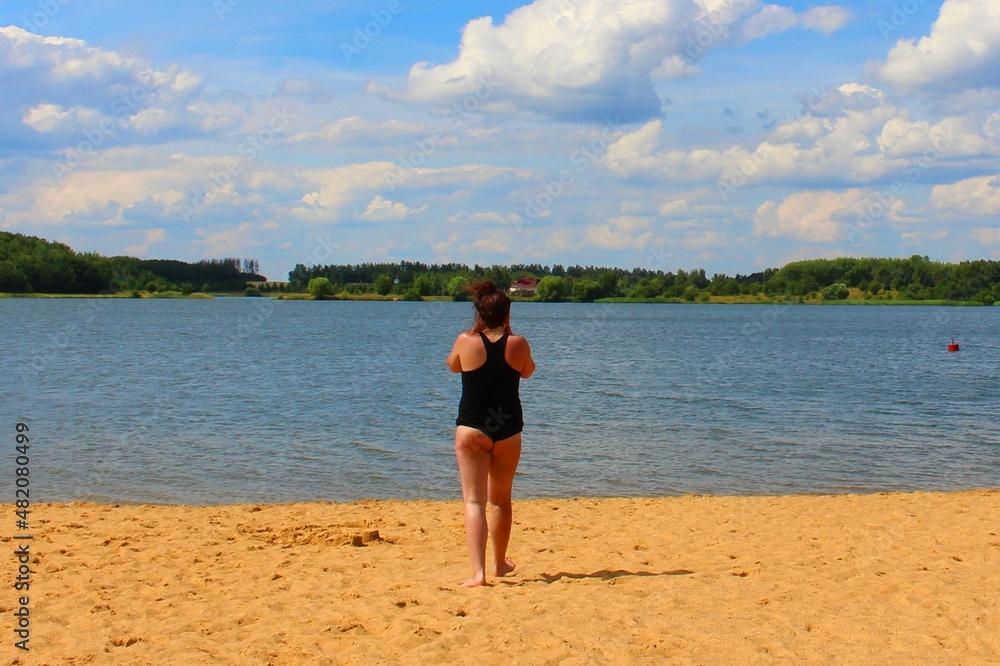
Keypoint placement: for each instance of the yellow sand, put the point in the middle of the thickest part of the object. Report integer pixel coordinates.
(853, 579)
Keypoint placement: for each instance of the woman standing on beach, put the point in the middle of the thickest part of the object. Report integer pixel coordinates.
(492, 361)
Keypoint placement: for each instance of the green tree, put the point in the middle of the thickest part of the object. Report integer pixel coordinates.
(423, 285)
(609, 283)
(643, 289)
(187, 289)
(205, 288)
(12, 279)
(458, 288)
(320, 287)
(251, 291)
(836, 292)
(586, 291)
(383, 285)
(551, 288)
(412, 294)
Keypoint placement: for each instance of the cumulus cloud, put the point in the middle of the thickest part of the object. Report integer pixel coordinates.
(812, 216)
(961, 51)
(972, 196)
(592, 59)
(56, 87)
(852, 135)
(104, 192)
(954, 137)
(328, 191)
(142, 188)
(380, 209)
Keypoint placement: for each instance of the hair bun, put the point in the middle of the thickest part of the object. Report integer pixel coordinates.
(483, 288)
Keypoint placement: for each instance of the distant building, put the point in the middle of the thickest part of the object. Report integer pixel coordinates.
(526, 286)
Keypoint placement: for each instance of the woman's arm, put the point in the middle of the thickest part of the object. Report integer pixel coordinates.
(523, 353)
(454, 361)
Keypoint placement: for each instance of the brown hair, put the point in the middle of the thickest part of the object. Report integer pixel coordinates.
(492, 306)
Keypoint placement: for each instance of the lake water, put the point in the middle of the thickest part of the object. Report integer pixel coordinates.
(254, 400)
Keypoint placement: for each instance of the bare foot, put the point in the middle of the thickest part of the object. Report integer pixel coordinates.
(505, 567)
(475, 581)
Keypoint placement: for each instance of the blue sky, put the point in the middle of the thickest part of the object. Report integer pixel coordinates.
(730, 135)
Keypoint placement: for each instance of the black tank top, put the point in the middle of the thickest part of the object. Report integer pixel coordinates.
(490, 400)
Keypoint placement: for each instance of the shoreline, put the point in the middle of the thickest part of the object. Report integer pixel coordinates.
(886, 577)
(456, 497)
(398, 298)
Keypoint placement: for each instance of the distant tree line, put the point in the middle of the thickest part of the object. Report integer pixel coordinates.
(29, 264)
(914, 278)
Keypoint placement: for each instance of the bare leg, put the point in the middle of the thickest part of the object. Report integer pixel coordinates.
(503, 464)
(472, 451)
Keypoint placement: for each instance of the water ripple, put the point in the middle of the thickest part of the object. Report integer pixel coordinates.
(242, 400)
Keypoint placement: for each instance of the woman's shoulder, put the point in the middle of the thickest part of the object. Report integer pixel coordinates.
(517, 341)
(466, 337)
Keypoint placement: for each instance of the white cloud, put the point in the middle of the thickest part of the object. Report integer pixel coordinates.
(915, 237)
(493, 241)
(592, 59)
(972, 196)
(961, 51)
(952, 137)
(139, 186)
(811, 216)
(54, 86)
(104, 190)
(238, 240)
(329, 190)
(986, 235)
(852, 135)
(156, 235)
(619, 233)
(483, 219)
(701, 203)
(559, 240)
(46, 118)
(991, 127)
(380, 209)
(703, 240)
(777, 18)
(355, 130)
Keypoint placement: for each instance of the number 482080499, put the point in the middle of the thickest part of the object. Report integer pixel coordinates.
(22, 474)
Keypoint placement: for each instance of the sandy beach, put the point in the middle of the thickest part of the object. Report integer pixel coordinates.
(902, 578)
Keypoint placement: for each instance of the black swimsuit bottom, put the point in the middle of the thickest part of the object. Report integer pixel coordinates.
(490, 401)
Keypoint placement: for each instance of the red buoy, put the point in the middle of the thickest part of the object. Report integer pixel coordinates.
(953, 346)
